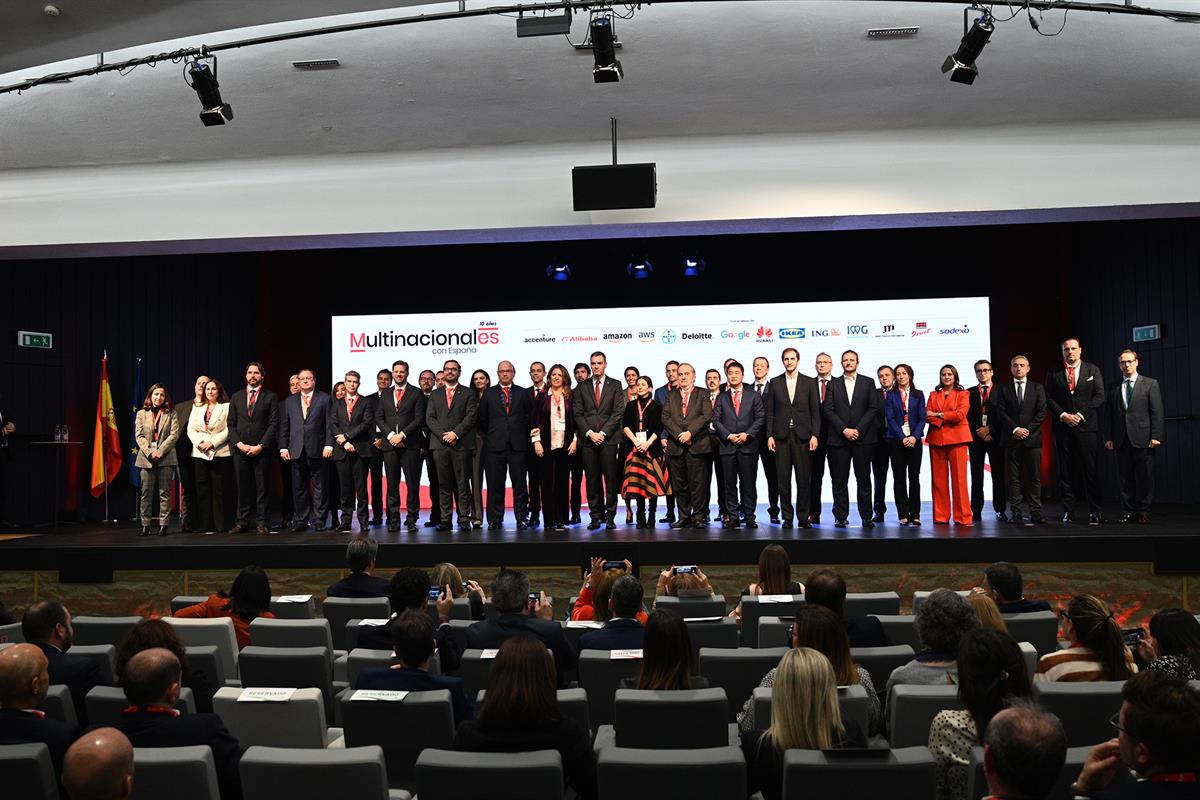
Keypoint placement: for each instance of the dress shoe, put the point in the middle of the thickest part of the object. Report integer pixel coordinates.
(787, 524)
(1016, 519)
(868, 524)
(1001, 517)
(1096, 519)
(841, 523)
(442, 527)
(494, 526)
(534, 522)
(286, 522)
(299, 527)
(521, 526)
(1066, 518)
(915, 521)
(610, 525)
(343, 528)
(465, 527)
(432, 524)
(376, 521)
(729, 523)
(188, 528)
(412, 527)
(162, 530)
(751, 524)
(815, 519)
(1143, 518)
(594, 525)
(774, 520)
(238, 528)
(261, 528)
(805, 524)
(668, 519)
(903, 523)
(700, 522)
(1037, 519)
(318, 527)
(393, 527)
(560, 527)
(145, 531)
(877, 518)
(575, 520)
(679, 525)
(1126, 518)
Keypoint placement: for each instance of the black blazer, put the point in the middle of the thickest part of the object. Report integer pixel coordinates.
(262, 428)
(379, 637)
(506, 429)
(1087, 398)
(567, 736)
(154, 729)
(407, 679)
(617, 634)
(77, 673)
(541, 420)
(490, 633)
(359, 430)
(865, 632)
(302, 436)
(359, 584)
(651, 420)
(699, 414)
(1142, 421)
(407, 418)
(862, 413)
(604, 418)
(975, 411)
(440, 419)
(1029, 415)
(21, 727)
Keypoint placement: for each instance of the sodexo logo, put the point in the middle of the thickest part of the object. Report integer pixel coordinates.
(668, 337)
(954, 331)
(487, 333)
(791, 333)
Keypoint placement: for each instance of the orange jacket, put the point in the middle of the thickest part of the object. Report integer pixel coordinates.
(585, 608)
(214, 608)
(954, 428)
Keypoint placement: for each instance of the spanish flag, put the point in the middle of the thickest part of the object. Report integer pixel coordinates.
(106, 449)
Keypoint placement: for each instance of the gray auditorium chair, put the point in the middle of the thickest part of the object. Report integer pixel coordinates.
(880, 661)
(180, 773)
(625, 774)
(852, 701)
(212, 632)
(675, 720)
(906, 773)
(721, 633)
(184, 600)
(452, 775)
(102, 630)
(862, 604)
(11, 633)
(572, 704)
(105, 656)
(977, 783)
(920, 597)
(461, 609)
(402, 728)
(573, 631)
(299, 722)
(1039, 628)
(911, 709)
(753, 608)
(474, 671)
(104, 704)
(58, 704)
(458, 629)
(266, 632)
(900, 629)
(738, 671)
(340, 610)
(1084, 708)
(28, 767)
(356, 772)
(206, 660)
(775, 631)
(599, 676)
(290, 667)
(694, 607)
(306, 609)
(361, 658)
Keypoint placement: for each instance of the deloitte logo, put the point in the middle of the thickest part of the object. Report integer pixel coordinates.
(668, 337)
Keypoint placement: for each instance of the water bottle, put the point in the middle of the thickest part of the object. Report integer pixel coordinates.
(58, 433)
(66, 434)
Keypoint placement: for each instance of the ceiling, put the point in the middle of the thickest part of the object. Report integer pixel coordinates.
(692, 70)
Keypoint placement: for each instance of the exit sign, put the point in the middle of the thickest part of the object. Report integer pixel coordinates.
(1147, 333)
(41, 341)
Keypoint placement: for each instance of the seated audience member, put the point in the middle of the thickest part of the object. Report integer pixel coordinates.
(24, 679)
(804, 715)
(623, 629)
(248, 599)
(152, 688)
(1097, 651)
(409, 591)
(47, 624)
(6, 617)
(991, 671)
(774, 577)
(672, 583)
(1024, 750)
(413, 641)
(667, 662)
(519, 615)
(987, 612)
(1158, 737)
(520, 714)
(446, 574)
(818, 628)
(1003, 583)
(1174, 644)
(825, 587)
(99, 766)
(156, 633)
(941, 622)
(361, 582)
(592, 603)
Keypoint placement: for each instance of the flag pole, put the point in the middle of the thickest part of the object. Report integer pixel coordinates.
(104, 465)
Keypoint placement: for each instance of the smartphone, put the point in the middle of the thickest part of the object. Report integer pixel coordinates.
(434, 593)
(614, 565)
(1133, 636)
(685, 570)
(535, 597)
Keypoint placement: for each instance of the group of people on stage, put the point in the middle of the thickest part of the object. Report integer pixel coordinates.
(636, 443)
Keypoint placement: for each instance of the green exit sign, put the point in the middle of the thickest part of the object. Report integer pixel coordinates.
(41, 341)
(1147, 333)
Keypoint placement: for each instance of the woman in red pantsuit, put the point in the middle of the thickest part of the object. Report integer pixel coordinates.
(949, 434)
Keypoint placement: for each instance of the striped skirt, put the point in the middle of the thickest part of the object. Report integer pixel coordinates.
(644, 476)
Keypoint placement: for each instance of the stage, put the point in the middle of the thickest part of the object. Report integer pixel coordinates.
(91, 553)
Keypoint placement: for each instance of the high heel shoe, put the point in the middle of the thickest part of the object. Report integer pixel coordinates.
(145, 531)
(629, 516)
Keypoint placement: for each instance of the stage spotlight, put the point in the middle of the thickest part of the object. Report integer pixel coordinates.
(961, 65)
(203, 80)
(639, 268)
(558, 271)
(693, 266)
(608, 68)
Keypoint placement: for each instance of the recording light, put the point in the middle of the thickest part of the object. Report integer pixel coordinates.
(640, 268)
(203, 80)
(961, 65)
(558, 271)
(608, 68)
(693, 266)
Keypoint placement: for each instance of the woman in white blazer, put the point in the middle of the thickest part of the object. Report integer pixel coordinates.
(156, 429)
(208, 430)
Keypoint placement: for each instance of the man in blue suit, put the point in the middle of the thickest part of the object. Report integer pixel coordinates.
(504, 413)
(510, 597)
(306, 441)
(623, 631)
(739, 417)
(660, 395)
(47, 624)
(851, 411)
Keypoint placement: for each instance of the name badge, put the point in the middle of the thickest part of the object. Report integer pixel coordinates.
(906, 429)
(984, 418)
(640, 437)
(559, 424)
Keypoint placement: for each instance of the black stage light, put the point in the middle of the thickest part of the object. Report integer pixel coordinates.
(203, 79)
(961, 65)
(608, 68)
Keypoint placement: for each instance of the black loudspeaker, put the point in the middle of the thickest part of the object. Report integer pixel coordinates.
(614, 186)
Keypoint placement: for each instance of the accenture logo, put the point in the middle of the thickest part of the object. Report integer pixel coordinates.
(485, 334)
(540, 339)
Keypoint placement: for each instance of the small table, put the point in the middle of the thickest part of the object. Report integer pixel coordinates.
(58, 455)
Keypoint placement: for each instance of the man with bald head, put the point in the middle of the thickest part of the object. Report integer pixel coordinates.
(1024, 750)
(505, 411)
(152, 688)
(99, 766)
(24, 679)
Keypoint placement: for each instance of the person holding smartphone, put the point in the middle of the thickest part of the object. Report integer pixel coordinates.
(686, 578)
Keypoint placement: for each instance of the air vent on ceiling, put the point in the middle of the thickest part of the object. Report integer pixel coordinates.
(892, 33)
(317, 63)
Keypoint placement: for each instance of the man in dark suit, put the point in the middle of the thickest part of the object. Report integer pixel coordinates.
(352, 428)
(622, 631)
(450, 417)
(24, 679)
(287, 503)
(409, 590)
(685, 418)
(253, 426)
(361, 582)
(713, 464)
(1024, 749)
(826, 587)
(426, 381)
(47, 624)
(739, 417)
(1074, 397)
(504, 413)
(305, 442)
(599, 405)
(1020, 412)
(1003, 583)
(383, 388)
(851, 411)
(1135, 429)
(582, 373)
(819, 457)
(414, 646)
(151, 684)
(880, 458)
(985, 441)
(99, 765)
(518, 615)
(533, 464)
(661, 394)
(762, 367)
(400, 417)
(793, 429)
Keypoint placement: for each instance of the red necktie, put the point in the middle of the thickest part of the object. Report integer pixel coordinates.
(597, 394)
(449, 396)
(1070, 378)
(250, 405)
(399, 397)
(823, 389)
(350, 402)
(737, 402)
(305, 400)
(507, 400)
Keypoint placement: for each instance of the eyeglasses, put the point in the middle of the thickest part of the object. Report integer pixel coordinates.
(1115, 721)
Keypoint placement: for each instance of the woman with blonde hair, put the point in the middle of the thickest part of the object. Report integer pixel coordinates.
(446, 574)
(987, 611)
(1097, 651)
(804, 715)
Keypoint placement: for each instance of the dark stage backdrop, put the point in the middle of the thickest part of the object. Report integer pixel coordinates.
(184, 315)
